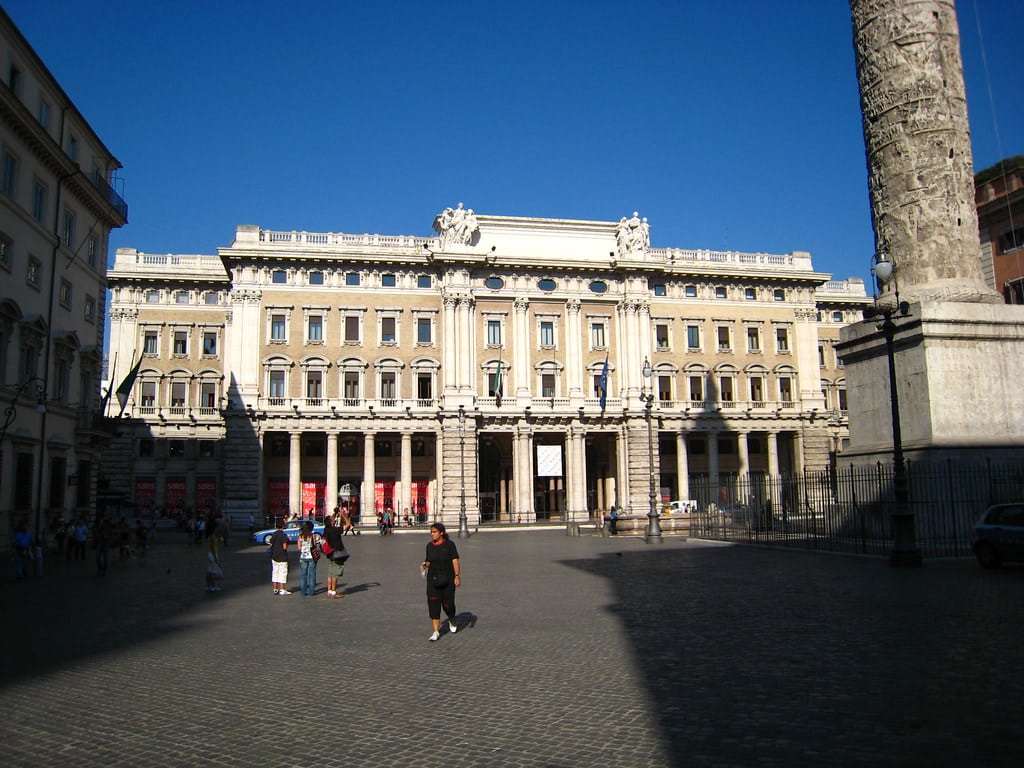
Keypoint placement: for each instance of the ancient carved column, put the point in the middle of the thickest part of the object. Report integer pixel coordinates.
(920, 172)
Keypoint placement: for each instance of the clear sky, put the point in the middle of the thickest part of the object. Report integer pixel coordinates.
(730, 124)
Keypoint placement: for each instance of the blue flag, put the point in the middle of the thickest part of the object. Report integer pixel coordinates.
(603, 385)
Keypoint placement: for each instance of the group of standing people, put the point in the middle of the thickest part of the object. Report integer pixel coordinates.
(312, 547)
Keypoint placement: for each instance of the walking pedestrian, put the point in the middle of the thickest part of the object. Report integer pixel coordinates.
(334, 544)
(77, 539)
(613, 521)
(279, 559)
(23, 551)
(443, 573)
(214, 570)
(309, 553)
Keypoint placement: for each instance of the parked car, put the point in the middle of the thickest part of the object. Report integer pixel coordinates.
(999, 535)
(291, 530)
(678, 508)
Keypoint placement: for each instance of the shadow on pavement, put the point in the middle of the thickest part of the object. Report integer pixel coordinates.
(787, 658)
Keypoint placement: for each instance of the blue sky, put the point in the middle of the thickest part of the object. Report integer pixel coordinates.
(730, 124)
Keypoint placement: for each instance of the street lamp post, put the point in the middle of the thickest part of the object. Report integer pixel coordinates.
(463, 522)
(905, 552)
(653, 533)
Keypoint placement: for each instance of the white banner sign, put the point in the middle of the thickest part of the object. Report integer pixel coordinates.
(549, 461)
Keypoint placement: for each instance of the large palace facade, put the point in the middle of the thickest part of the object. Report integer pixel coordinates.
(513, 369)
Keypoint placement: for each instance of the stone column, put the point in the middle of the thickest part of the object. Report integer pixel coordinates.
(574, 349)
(295, 473)
(367, 493)
(742, 454)
(448, 351)
(773, 454)
(920, 171)
(332, 473)
(682, 467)
(405, 498)
(713, 482)
(521, 347)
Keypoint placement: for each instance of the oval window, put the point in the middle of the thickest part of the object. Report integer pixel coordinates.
(494, 283)
(599, 286)
(546, 284)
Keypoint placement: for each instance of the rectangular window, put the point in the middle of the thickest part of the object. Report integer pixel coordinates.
(39, 201)
(90, 309)
(749, 294)
(65, 294)
(278, 328)
(314, 385)
(180, 343)
(388, 280)
(423, 330)
(387, 330)
(149, 342)
(388, 386)
(73, 147)
(316, 278)
(724, 341)
(664, 388)
(351, 387)
(779, 294)
(44, 114)
(661, 337)
(34, 276)
(424, 281)
(837, 317)
(658, 289)
(786, 390)
(597, 337)
(152, 297)
(494, 333)
(547, 385)
(821, 356)
(757, 389)
(177, 394)
(68, 230)
(6, 247)
(10, 178)
(547, 334)
(719, 291)
(782, 340)
(315, 328)
(753, 340)
(175, 449)
(352, 329)
(148, 394)
(690, 291)
(92, 252)
(210, 343)
(211, 298)
(352, 278)
(276, 385)
(181, 297)
(208, 395)
(697, 388)
(279, 276)
(424, 387)
(693, 337)
(841, 392)
(725, 387)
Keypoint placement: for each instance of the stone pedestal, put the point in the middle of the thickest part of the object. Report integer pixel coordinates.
(960, 381)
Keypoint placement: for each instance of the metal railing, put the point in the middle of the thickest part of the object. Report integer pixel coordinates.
(850, 509)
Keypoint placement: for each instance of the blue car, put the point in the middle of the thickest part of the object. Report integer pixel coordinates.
(291, 530)
(999, 535)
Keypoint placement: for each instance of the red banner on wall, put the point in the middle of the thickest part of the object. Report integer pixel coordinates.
(314, 496)
(206, 494)
(145, 495)
(383, 496)
(174, 495)
(420, 501)
(277, 498)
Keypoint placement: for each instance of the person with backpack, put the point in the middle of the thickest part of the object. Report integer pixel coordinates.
(334, 550)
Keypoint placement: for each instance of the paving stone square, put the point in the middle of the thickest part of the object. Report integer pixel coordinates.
(572, 651)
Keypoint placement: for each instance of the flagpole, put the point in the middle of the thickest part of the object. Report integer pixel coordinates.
(105, 400)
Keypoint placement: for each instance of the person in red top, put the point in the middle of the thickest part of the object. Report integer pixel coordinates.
(443, 573)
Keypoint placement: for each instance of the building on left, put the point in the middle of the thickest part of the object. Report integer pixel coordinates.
(58, 205)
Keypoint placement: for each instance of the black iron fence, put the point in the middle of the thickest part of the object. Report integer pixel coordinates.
(850, 509)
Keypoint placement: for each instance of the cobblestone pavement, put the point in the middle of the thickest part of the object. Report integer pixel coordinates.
(572, 652)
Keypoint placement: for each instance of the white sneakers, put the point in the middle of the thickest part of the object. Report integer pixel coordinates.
(435, 636)
(451, 626)
(281, 592)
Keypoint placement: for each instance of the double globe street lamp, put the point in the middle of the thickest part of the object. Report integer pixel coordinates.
(653, 532)
(905, 552)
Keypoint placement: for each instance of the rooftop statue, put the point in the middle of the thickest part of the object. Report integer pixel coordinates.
(456, 226)
(633, 235)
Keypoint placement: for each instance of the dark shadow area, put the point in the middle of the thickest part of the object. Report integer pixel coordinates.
(783, 658)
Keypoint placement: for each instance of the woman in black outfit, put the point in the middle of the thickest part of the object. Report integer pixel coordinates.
(443, 573)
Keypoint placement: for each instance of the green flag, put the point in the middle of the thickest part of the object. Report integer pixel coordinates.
(125, 388)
